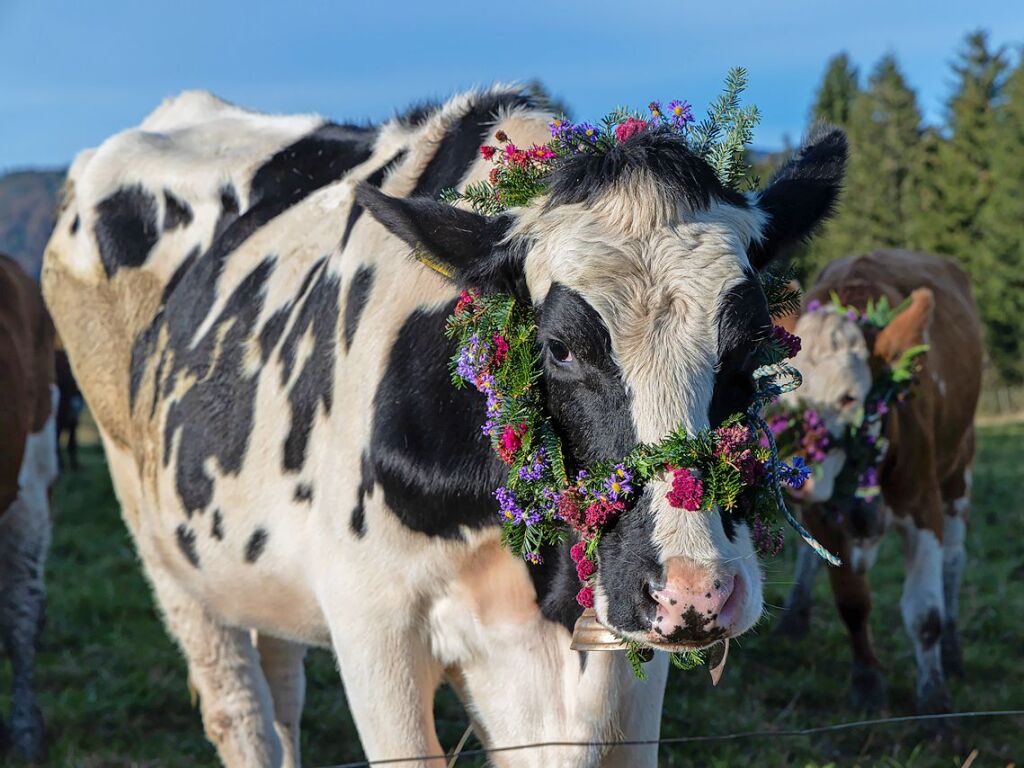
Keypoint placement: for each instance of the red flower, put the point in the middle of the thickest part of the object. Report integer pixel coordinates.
(487, 152)
(510, 442)
(631, 127)
(500, 349)
(578, 551)
(465, 302)
(600, 512)
(584, 569)
(494, 175)
(585, 597)
(687, 491)
(569, 509)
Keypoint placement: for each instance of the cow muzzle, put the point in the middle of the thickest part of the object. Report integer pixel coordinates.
(697, 605)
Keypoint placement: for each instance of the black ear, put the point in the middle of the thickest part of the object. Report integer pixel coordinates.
(801, 194)
(466, 245)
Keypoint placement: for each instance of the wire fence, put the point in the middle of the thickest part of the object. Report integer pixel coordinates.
(673, 740)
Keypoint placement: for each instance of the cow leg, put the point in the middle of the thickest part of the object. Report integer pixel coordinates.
(282, 664)
(224, 669)
(922, 608)
(24, 540)
(954, 533)
(73, 444)
(390, 678)
(852, 594)
(796, 619)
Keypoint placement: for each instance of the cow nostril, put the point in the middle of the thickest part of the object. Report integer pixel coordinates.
(650, 588)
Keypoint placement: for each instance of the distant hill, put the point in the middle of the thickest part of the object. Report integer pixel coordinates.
(28, 206)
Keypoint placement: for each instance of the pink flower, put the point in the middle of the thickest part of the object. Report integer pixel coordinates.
(731, 440)
(500, 349)
(510, 442)
(487, 152)
(687, 491)
(542, 152)
(584, 569)
(578, 551)
(585, 597)
(631, 127)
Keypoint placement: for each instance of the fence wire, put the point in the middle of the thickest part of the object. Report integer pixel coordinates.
(692, 739)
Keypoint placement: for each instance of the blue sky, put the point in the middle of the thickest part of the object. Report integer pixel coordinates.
(74, 72)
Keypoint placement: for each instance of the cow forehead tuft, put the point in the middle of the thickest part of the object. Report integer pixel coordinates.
(825, 334)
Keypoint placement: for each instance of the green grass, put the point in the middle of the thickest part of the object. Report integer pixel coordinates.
(113, 687)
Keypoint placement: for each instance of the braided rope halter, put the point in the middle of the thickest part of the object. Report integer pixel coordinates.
(773, 381)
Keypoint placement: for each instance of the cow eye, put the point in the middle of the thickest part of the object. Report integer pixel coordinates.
(559, 352)
(845, 401)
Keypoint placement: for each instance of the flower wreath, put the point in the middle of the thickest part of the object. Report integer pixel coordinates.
(801, 432)
(734, 467)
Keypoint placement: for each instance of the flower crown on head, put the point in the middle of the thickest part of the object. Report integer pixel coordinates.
(519, 174)
(735, 467)
(801, 432)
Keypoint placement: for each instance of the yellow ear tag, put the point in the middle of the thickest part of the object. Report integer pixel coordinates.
(437, 266)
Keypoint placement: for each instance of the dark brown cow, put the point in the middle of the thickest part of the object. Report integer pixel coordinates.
(925, 476)
(28, 466)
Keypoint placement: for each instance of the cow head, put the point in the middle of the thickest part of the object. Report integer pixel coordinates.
(642, 270)
(839, 361)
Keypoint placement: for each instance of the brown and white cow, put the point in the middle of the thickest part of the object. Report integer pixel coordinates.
(925, 476)
(28, 467)
(268, 369)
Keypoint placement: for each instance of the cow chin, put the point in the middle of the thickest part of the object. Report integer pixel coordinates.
(675, 581)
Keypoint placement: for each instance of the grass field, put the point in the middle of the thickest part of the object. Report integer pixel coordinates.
(113, 687)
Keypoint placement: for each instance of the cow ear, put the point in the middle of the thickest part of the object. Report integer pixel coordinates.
(801, 194)
(464, 246)
(908, 329)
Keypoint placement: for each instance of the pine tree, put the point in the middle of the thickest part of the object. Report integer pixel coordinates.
(999, 281)
(833, 101)
(837, 92)
(883, 128)
(961, 181)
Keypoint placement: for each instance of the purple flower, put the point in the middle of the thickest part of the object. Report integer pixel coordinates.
(618, 482)
(869, 478)
(535, 469)
(814, 306)
(794, 475)
(680, 113)
(789, 342)
(657, 115)
(767, 542)
(851, 314)
(533, 558)
(531, 516)
(508, 506)
(469, 363)
(586, 132)
(560, 127)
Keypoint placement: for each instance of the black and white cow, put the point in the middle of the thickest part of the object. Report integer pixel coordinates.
(268, 369)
